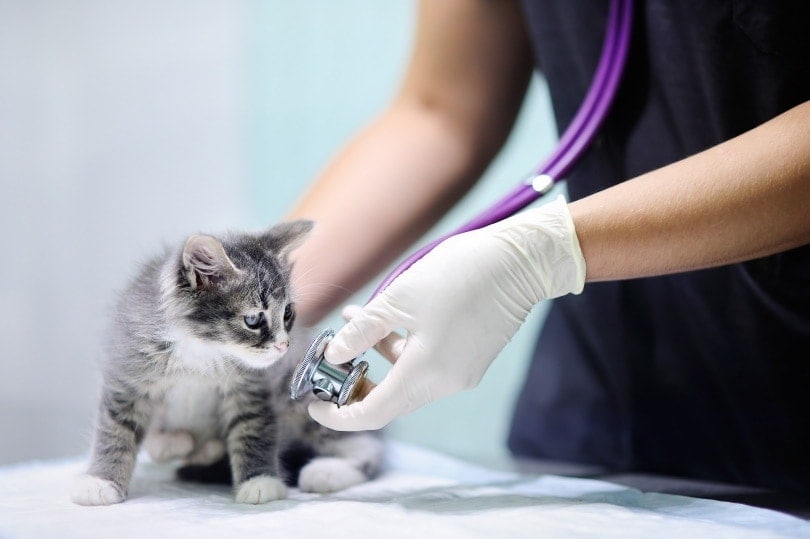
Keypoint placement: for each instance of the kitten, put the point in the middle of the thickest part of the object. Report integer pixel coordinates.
(201, 352)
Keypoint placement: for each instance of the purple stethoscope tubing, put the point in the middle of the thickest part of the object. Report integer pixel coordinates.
(572, 144)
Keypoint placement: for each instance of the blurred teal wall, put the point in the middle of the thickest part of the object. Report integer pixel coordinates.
(318, 71)
(129, 125)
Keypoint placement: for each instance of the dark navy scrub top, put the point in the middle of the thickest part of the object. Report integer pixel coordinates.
(703, 374)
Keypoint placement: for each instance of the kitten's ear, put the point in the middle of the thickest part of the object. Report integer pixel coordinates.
(285, 237)
(205, 262)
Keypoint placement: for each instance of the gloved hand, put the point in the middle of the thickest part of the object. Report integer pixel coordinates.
(460, 305)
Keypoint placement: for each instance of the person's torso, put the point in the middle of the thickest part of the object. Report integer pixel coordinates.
(701, 373)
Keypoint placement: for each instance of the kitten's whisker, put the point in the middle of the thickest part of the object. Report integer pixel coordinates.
(318, 290)
(299, 275)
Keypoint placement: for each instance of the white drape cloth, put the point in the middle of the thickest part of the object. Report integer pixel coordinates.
(421, 494)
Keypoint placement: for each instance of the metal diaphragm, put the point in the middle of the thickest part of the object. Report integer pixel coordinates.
(335, 383)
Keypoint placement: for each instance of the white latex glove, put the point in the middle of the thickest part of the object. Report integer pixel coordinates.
(460, 305)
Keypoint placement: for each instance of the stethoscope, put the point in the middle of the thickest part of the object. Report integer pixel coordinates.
(346, 383)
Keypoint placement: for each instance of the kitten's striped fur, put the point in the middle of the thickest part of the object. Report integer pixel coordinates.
(200, 356)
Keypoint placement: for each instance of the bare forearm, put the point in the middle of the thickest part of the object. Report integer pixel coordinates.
(377, 197)
(458, 100)
(746, 198)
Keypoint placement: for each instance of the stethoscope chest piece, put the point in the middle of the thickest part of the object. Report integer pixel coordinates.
(335, 383)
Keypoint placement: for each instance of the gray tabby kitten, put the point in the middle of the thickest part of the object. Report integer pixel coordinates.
(201, 353)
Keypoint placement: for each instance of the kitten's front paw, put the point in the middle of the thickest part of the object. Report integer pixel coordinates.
(328, 475)
(91, 490)
(261, 489)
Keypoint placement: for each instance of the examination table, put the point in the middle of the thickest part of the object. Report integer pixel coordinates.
(421, 493)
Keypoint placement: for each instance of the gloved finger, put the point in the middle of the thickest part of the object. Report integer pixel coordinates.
(351, 311)
(366, 328)
(382, 405)
(390, 346)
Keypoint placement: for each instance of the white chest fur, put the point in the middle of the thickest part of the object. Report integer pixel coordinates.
(190, 353)
(191, 404)
(191, 392)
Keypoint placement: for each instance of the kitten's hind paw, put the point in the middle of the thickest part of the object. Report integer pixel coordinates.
(209, 453)
(261, 489)
(91, 490)
(165, 446)
(328, 474)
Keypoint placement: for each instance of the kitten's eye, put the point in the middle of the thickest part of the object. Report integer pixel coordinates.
(254, 321)
(289, 311)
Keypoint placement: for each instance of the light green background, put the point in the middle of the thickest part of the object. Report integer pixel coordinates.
(127, 126)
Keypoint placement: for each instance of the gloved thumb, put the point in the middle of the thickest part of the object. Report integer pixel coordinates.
(365, 329)
(390, 347)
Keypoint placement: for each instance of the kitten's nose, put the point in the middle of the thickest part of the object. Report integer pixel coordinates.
(281, 346)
